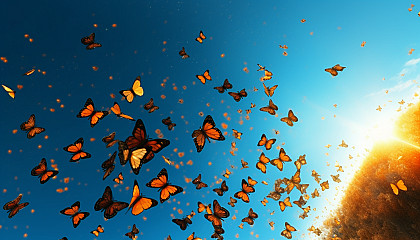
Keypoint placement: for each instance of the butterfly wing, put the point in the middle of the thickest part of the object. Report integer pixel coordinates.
(105, 201)
(123, 152)
(128, 95)
(88, 110)
(114, 208)
(136, 87)
(78, 217)
(138, 135)
(28, 125)
(9, 91)
(137, 157)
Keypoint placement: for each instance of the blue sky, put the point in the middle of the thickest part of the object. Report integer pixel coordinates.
(248, 33)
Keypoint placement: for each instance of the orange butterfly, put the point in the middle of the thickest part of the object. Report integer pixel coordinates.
(227, 173)
(204, 77)
(192, 237)
(251, 217)
(261, 164)
(232, 202)
(264, 202)
(74, 213)
(218, 230)
(109, 140)
(269, 91)
(150, 106)
(285, 203)
(76, 149)
(107, 204)
(336, 178)
(243, 194)
(201, 37)
(219, 212)
(135, 90)
(183, 54)
(206, 132)
(301, 202)
(288, 231)
(139, 203)
(237, 96)
(161, 182)
(202, 207)
(267, 143)
(294, 181)
(108, 166)
(226, 85)
(98, 230)
(90, 42)
(278, 162)
(334, 70)
(399, 185)
(315, 193)
(119, 179)
(244, 164)
(168, 122)
(251, 181)
(9, 91)
(30, 127)
(290, 118)
(42, 172)
(89, 111)
(271, 108)
(14, 206)
(324, 185)
(182, 223)
(198, 183)
(301, 161)
(223, 188)
(117, 111)
(133, 232)
(302, 187)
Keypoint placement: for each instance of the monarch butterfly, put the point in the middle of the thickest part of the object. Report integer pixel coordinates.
(223, 188)
(276, 194)
(183, 54)
(117, 111)
(290, 118)
(294, 181)
(182, 223)
(109, 140)
(108, 166)
(150, 106)
(30, 127)
(264, 202)
(42, 172)
(251, 217)
(315, 193)
(336, 178)
(139, 203)
(9, 91)
(261, 68)
(14, 206)
(251, 181)
(285, 203)
(204, 77)
(133, 232)
(267, 75)
(316, 176)
(317, 231)
(334, 70)
(107, 204)
(168, 122)
(161, 182)
(232, 202)
(288, 231)
(90, 42)
(244, 164)
(201, 37)
(74, 213)
(399, 185)
(227, 173)
(243, 194)
(261, 164)
(343, 144)
(76, 149)
(302, 187)
(271, 108)
(202, 207)
(133, 91)
(226, 85)
(266, 143)
(119, 179)
(324, 185)
(98, 230)
(301, 202)
(89, 111)
(278, 162)
(206, 132)
(218, 231)
(219, 212)
(301, 161)
(237, 134)
(237, 96)
(192, 237)
(269, 91)
(29, 72)
(198, 183)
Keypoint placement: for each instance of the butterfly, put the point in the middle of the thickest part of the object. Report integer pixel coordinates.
(336, 178)
(168, 122)
(301, 161)
(201, 37)
(29, 72)
(294, 181)
(89, 111)
(334, 70)
(241, 226)
(202, 207)
(192, 237)
(302, 187)
(150, 106)
(317, 231)
(301, 202)
(90, 42)
(246, 189)
(182, 223)
(288, 231)
(237, 96)
(218, 230)
(267, 75)
(290, 118)
(262, 161)
(227, 173)
(42, 172)
(109, 140)
(269, 91)
(276, 194)
(271, 108)
(223, 188)
(204, 77)
(264, 202)
(119, 178)
(98, 230)
(244, 164)
(232, 202)
(133, 91)
(107, 204)
(208, 131)
(226, 85)
(315, 193)
(261, 68)
(198, 183)
(267, 143)
(251, 217)
(133, 232)
(117, 111)
(285, 203)
(399, 185)
(251, 181)
(168, 161)
(343, 144)
(30, 127)
(183, 54)
(161, 182)
(74, 213)
(324, 185)
(219, 212)
(278, 162)
(76, 149)
(139, 203)
(237, 134)
(316, 176)
(9, 91)
(109, 165)
(14, 206)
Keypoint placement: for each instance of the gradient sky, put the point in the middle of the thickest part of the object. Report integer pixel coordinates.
(145, 42)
